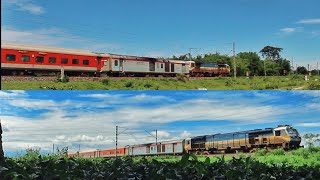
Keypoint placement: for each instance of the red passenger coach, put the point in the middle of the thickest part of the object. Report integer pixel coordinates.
(17, 59)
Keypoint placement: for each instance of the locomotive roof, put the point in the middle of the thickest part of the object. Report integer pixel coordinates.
(32, 47)
(238, 132)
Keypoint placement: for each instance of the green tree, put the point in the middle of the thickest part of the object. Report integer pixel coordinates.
(253, 62)
(315, 72)
(270, 52)
(302, 70)
(284, 66)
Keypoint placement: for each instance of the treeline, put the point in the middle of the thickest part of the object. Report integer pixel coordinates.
(251, 62)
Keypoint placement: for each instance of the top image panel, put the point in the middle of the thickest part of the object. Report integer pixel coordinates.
(203, 45)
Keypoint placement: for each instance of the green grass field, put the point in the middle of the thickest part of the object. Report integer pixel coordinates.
(303, 163)
(293, 82)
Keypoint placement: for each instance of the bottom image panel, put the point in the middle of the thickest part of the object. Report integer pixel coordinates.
(268, 127)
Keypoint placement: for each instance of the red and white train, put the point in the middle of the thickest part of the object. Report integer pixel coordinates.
(19, 59)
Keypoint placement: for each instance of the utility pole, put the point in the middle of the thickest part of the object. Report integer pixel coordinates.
(190, 53)
(117, 141)
(156, 136)
(318, 67)
(234, 60)
(52, 148)
(1, 148)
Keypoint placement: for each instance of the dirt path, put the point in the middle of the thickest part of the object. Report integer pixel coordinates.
(299, 88)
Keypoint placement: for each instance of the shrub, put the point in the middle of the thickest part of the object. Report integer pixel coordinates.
(147, 85)
(314, 86)
(230, 82)
(64, 79)
(181, 77)
(105, 81)
(261, 152)
(277, 152)
(271, 86)
(128, 84)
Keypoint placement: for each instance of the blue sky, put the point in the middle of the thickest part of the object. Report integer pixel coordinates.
(163, 28)
(88, 118)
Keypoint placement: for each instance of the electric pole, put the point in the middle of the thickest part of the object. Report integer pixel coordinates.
(1, 148)
(190, 53)
(52, 148)
(318, 67)
(234, 60)
(156, 136)
(117, 141)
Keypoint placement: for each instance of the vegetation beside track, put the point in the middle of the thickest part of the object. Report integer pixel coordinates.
(292, 82)
(261, 165)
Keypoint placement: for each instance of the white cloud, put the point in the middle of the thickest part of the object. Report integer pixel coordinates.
(27, 5)
(161, 134)
(52, 36)
(309, 21)
(317, 124)
(185, 134)
(12, 94)
(288, 30)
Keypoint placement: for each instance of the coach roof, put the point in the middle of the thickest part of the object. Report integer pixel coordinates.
(41, 48)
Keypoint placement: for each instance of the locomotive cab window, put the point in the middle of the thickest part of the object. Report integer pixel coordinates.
(277, 133)
(161, 66)
(75, 61)
(64, 61)
(116, 63)
(85, 62)
(39, 59)
(25, 58)
(52, 60)
(10, 57)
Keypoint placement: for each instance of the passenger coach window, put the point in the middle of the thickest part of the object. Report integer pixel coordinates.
(75, 61)
(64, 61)
(52, 60)
(25, 58)
(39, 59)
(11, 57)
(85, 62)
(161, 66)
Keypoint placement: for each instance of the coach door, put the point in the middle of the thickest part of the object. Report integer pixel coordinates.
(166, 66)
(121, 62)
(105, 65)
(152, 66)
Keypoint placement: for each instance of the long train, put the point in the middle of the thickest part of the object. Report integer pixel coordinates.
(283, 136)
(18, 59)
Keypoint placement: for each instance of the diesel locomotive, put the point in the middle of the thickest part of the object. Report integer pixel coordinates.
(283, 136)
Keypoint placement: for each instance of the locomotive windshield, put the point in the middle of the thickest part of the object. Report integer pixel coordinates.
(223, 66)
(292, 132)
